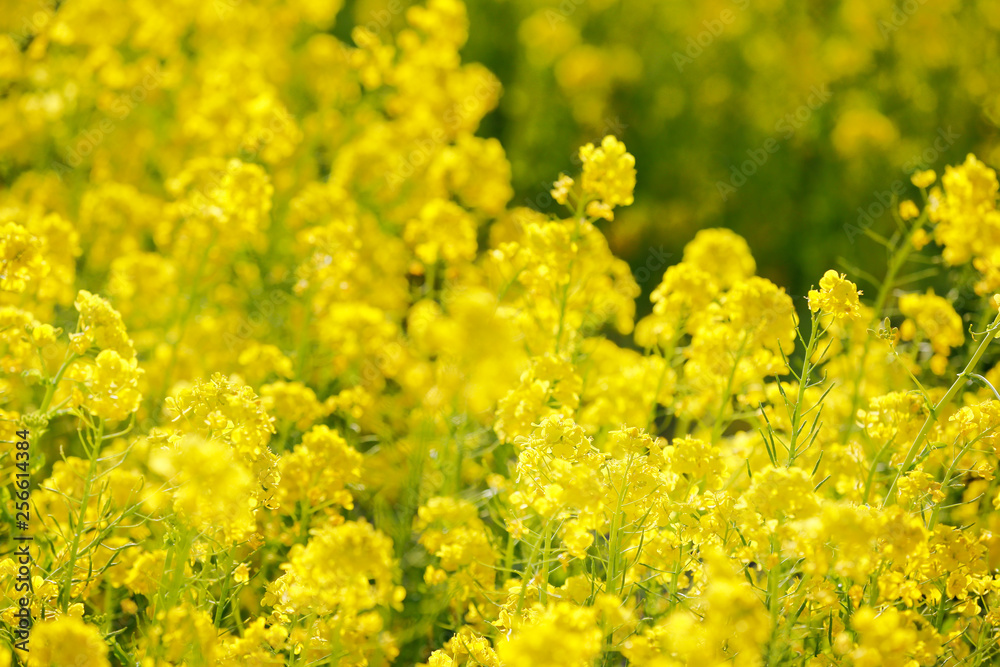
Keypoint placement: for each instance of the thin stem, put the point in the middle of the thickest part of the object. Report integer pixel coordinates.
(543, 591)
(718, 427)
(226, 584)
(66, 593)
(578, 217)
(895, 264)
(803, 383)
(50, 392)
(941, 405)
(185, 317)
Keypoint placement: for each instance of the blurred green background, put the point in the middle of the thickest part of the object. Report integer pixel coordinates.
(781, 120)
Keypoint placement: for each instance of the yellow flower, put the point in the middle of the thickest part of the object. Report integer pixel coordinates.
(697, 460)
(920, 238)
(562, 634)
(213, 490)
(21, 259)
(561, 188)
(923, 179)
(100, 325)
(964, 209)
(344, 569)
(932, 317)
(184, 634)
(293, 402)
(67, 642)
(892, 638)
(577, 539)
(319, 471)
(111, 383)
(836, 296)
(722, 254)
(685, 289)
(908, 210)
(45, 334)
(241, 574)
(443, 230)
(225, 409)
(608, 172)
(259, 361)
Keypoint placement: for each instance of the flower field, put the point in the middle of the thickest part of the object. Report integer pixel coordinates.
(291, 377)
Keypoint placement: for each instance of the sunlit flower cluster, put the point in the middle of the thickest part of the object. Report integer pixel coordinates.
(304, 388)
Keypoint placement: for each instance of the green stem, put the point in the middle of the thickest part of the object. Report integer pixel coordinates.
(508, 559)
(50, 392)
(543, 591)
(947, 478)
(718, 427)
(941, 405)
(616, 565)
(182, 550)
(284, 432)
(67, 588)
(226, 585)
(895, 264)
(185, 317)
(800, 397)
(564, 300)
(529, 567)
(303, 346)
(304, 520)
(667, 365)
(675, 581)
(871, 471)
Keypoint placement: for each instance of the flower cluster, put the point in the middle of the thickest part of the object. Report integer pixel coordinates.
(303, 388)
